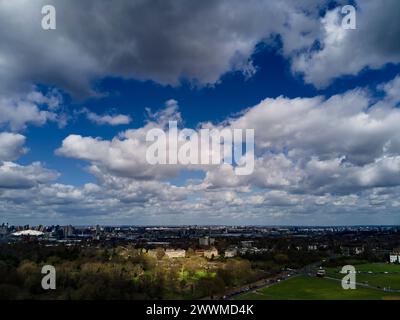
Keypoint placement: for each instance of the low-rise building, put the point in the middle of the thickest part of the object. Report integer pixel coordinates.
(231, 252)
(394, 256)
(206, 241)
(175, 253)
(246, 244)
(211, 253)
(352, 250)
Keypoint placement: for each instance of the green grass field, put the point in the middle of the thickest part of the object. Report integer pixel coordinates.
(311, 288)
(378, 278)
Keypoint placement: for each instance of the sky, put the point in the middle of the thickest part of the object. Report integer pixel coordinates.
(76, 103)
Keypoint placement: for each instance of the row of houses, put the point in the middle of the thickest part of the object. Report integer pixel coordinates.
(394, 256)
(181, 253)
(209, 253)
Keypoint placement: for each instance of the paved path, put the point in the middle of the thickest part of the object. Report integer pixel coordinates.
(267, 283)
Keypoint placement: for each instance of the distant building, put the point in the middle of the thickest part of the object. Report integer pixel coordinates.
(158, 243)
(211, 253)
(352, 250)
(68, 231)
(246, 244)
(158, 253)
(206, 241)
(28, 233)
(394, 256)
(358, 250)
(175, 253)
(312, 247)
(231, 252)
(3, 231)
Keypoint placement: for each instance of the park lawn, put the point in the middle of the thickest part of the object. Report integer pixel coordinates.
(391, 281)
(312, 288)
(378, 278)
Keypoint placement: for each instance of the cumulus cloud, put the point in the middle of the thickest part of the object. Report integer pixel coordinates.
(341, 153)
(11, 146)
(35, 108)
(340, 145)
(125, 154)
(337, 146)
(168, 41)
(350, 124)
(164, 41)
(14, 176)
(374, 43)
(107, 119)
(111, 197)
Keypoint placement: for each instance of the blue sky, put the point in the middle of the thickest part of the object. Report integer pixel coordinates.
(200, 104)
(323, 102)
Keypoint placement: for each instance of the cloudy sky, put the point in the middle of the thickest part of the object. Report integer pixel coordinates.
(76, 104)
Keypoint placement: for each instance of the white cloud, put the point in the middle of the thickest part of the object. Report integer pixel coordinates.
(372, 44)
(14, 176)
(350, 125)
(125, 154)
(168, 41)
(161, 41)
(340, 145)
(17, 111)
(11, 146)
(392, 90)
(108, 119)
(341, 152)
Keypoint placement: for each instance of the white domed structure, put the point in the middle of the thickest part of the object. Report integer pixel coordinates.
(29, 233)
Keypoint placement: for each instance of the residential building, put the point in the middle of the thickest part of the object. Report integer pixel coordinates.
(211, 253)
(175, 253)
(231, 252)
(206, 241)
